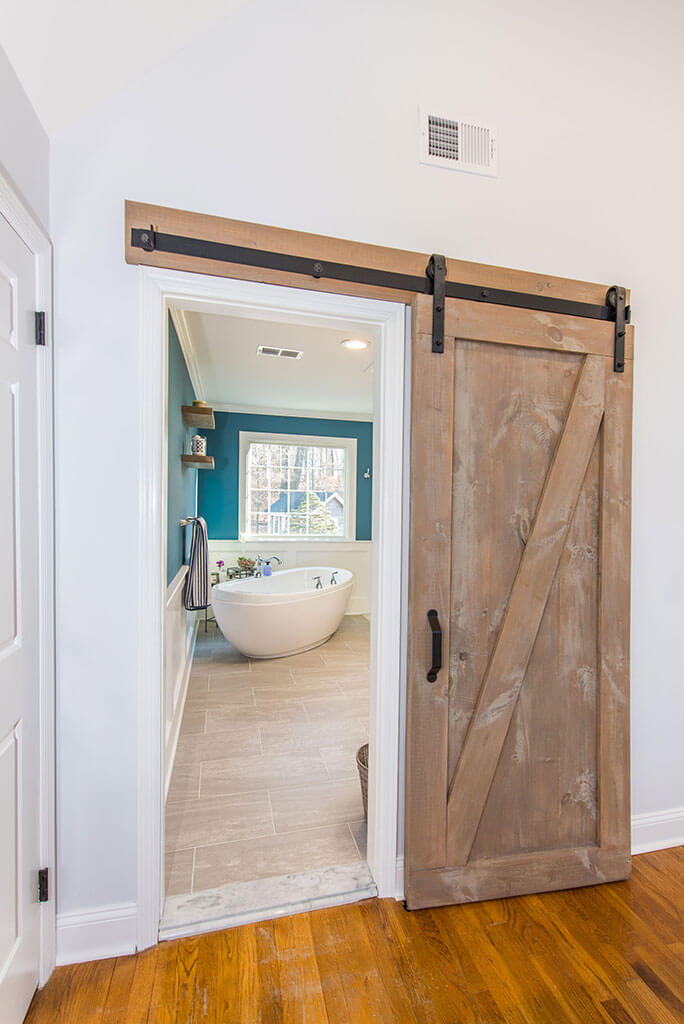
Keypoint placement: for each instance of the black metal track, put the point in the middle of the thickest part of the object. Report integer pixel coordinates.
(151, 241)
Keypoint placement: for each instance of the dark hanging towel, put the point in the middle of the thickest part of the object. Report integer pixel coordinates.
(196, 592)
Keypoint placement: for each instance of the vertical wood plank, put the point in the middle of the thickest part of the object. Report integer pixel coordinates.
(432, 403)
(614, 610)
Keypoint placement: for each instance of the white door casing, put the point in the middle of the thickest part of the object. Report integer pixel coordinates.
(20, 763)
(161, 290)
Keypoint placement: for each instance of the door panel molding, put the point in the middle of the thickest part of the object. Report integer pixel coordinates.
(505, 673)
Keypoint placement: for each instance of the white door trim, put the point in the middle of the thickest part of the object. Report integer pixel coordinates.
(161, 290)
(17, 214)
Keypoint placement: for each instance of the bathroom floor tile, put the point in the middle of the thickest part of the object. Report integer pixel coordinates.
(184, 784)
(221, 698)
(325, 803)
(206, 822)
(270, 771)
(282, 737)
(345, 660)
(197, 747)
(219, 667)
(192, 722)
(340, 761)
(265, 780)
(323, 708)
(299, 688)
(308, 659)
(275, 855)
(276, 669)
(220, 717)
(178, 867)
(359, 830)
(232, 682)
(199, 682)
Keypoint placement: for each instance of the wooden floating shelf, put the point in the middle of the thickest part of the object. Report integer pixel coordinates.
(199, 416)
(198, 461)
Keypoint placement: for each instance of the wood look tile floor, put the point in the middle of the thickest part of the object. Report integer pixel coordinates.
(611, 954)
(265, 780)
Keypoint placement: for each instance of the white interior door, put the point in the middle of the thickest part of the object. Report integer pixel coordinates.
(19, 635)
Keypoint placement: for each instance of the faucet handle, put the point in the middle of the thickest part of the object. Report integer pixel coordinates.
(317, 581)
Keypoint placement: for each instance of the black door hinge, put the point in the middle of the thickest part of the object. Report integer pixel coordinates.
(616, 298)
(43, 892)
(436, 272)
(40, 328)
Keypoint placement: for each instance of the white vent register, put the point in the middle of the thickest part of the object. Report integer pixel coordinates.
(279, 353)
(460, 144)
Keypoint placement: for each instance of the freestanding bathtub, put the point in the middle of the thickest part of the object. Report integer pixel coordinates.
(275, 616)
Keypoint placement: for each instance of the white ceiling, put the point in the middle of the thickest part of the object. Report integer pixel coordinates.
(71, 55)
(329, 380)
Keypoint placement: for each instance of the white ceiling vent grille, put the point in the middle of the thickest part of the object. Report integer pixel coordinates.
(281, 353)
(462, 145)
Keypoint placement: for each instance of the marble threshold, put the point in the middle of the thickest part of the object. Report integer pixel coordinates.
(263, 899)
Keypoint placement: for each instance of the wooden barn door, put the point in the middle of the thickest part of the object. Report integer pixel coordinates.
(517, 776)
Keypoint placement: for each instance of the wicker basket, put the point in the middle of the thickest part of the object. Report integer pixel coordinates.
(362, 765)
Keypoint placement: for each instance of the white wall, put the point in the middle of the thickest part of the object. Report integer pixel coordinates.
(352, 555)
(24, 147)
(306, 116)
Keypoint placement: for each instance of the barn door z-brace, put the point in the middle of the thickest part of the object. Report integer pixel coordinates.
(615, 308)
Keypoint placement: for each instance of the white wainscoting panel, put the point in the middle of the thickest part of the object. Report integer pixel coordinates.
(352, 555)
(180, 627)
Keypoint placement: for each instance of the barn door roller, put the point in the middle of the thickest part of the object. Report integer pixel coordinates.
(436, 272)
(617, 299)
(433, 283)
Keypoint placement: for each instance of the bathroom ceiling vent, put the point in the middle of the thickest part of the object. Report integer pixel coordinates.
(281, 353)
(461, 145)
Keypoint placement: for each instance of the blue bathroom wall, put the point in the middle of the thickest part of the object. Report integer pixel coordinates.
(218, 492)
(182, 481)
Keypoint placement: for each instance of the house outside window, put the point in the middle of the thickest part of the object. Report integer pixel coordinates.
(297, 487)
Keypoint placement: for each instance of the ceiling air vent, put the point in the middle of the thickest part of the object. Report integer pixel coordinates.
(281, 353)
(460, 144)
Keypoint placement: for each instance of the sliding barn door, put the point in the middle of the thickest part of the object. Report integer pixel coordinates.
(517, 776)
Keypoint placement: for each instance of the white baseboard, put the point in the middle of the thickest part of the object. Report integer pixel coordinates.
(96, 934)
(658, 831)
(111, 931)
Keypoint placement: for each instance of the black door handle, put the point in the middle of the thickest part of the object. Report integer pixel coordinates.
(433, 619)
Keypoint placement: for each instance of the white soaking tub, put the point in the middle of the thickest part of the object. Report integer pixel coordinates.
(275, 616)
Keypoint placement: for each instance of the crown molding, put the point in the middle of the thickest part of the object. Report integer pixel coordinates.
(312, 414)
(180, 322)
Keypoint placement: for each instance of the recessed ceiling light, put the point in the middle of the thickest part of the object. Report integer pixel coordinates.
(355, 343)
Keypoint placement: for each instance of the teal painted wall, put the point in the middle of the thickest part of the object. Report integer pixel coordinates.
(182, 482)
(218, 491)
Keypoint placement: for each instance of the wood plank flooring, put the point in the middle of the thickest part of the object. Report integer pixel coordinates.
(611, 954)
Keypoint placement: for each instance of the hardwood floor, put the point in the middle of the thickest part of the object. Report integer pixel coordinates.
(612, 954)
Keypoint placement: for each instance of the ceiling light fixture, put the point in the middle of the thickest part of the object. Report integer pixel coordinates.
(355, 343)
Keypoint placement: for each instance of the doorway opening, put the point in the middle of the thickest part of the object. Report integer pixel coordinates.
(267, 697)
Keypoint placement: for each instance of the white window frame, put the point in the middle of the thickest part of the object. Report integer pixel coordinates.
(248, 437)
